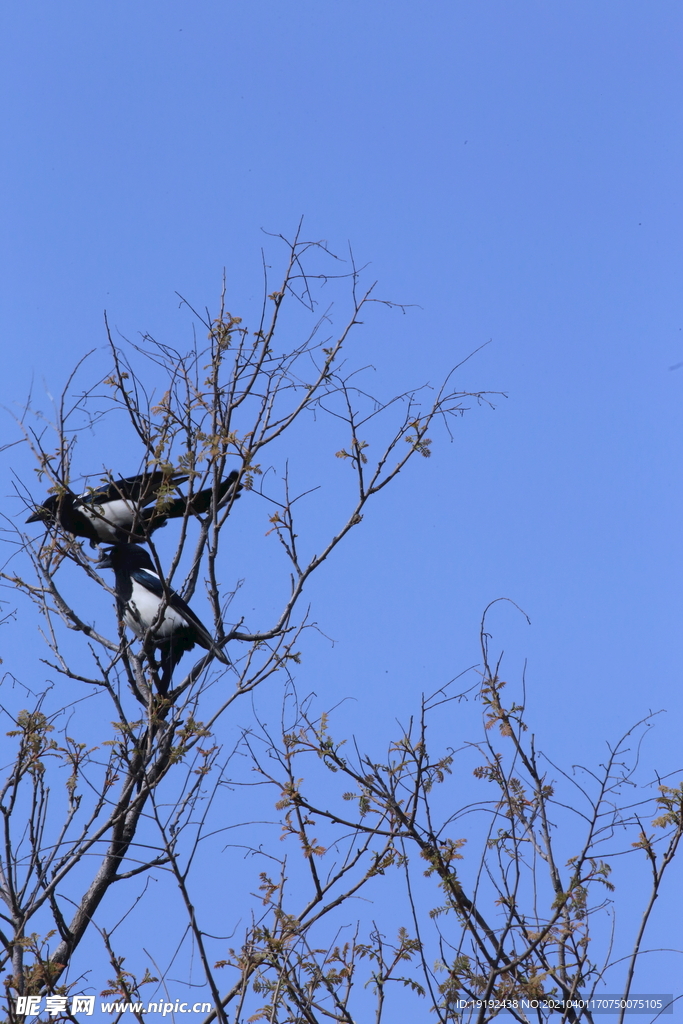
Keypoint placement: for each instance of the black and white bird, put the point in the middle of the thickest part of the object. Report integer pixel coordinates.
(153, 611)
(118, 511)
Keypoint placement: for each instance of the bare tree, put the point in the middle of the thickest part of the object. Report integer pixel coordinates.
(521, 925)
(87, 806)
(195, 416)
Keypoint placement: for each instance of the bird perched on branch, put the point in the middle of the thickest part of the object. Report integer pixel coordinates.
(117, 511)
(154, 611)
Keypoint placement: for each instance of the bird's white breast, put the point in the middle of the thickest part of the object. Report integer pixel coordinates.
(142, 610)
(110, 515)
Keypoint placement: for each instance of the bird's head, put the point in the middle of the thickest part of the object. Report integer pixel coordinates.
(42, 514)
(49, 510)
(126, 558)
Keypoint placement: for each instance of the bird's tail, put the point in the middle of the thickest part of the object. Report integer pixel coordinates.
(170, 654)
(220, 654)
(200, 503)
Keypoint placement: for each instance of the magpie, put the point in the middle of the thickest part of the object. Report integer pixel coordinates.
(141, 594)
(116, 512)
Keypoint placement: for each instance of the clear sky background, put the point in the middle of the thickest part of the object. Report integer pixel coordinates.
(511, 167)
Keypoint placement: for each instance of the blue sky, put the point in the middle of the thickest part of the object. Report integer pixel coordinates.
(513, 170)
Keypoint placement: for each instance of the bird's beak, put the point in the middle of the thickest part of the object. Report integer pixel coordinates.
(39, 515)
(105, 561)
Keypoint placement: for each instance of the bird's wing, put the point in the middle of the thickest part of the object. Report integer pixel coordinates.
(150, 581)
(203, 637)
(141, 489)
